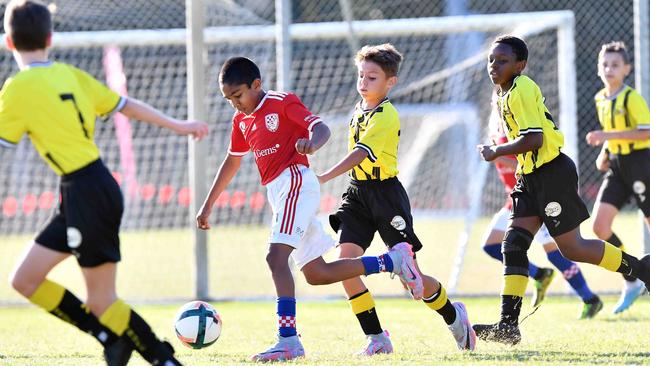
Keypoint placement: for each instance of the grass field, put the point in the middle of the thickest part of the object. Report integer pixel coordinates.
(330, 334)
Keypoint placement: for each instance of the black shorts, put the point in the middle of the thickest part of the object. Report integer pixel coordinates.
(551, 193)
(628, 176)
(87, 221)
(369, 206)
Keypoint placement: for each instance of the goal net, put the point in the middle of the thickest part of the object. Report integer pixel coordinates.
(443, 96)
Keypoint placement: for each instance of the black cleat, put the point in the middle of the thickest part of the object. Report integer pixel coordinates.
(118, 353)
(645, 261)
(591, 308)
(166, 355)
(505, 333)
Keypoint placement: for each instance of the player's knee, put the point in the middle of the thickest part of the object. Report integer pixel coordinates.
(516, 242)
(316, 275)
(276, 261)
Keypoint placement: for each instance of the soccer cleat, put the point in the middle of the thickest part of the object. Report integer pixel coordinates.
(403, 265)
(645, 261)
(541, 285)
(589, 310)
(462, 330)
(500, 332)
(118, 353)
(631, 291)
(287, 348)
(377, 343)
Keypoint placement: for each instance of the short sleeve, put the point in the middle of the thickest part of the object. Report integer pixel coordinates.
(105, 101)
(523, 105)
(638, 110)
(378, 131)
(298, 114)
(238, 145)
(12, 127)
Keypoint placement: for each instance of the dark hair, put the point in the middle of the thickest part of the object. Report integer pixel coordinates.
(239, 70)
(28, 24)
(518, 46)
(385, 55)
(615, 47)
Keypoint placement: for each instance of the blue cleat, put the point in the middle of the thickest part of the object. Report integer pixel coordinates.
(631, 292)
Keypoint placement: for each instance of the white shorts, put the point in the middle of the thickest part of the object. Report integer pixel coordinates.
(500, 222)
(295, 198)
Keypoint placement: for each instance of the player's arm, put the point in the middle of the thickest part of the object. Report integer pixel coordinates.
(354, 158)
(522, 144)
(602, 161)
(224, 175)
(598, 137)
(320, 133)
(139, 110)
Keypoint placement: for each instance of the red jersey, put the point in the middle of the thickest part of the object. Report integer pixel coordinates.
(506, 173)
(271, 132)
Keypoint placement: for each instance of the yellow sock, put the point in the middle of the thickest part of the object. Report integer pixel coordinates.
(116, 317)
(514, 285)
(362, 303)
(437, 302)
(612, 257)
(48, 295)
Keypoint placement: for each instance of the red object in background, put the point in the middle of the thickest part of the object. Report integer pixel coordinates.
(257, 201)
(10, 206)
(147, 192)
(223, 199)
(118, 177)
(30, 202)
(184, 197)
(328, 203)
(238, 199)
(46, 200)
(165, 194)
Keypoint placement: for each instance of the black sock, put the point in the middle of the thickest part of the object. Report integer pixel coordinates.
(144, 341)
(73, 311)
(363, 306)
(510, 309)
(632, 267)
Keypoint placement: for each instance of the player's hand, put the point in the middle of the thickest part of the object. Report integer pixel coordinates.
(322, 179)
(305, 146)
(602, 161)
(488, 152)
(197, 129)
(595, 138)
(202, 218)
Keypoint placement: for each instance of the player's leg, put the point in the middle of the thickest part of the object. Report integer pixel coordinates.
(572, 274)
(121, 319)
(492, 240)
(515, 245)
(453, 314)
(363, 307)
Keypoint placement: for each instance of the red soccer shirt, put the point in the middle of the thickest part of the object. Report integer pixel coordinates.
(506, 173)
(271, 132)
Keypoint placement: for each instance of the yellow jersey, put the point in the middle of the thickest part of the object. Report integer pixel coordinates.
(377, 132)
(625, 111)
(522, 111)
(56, 105)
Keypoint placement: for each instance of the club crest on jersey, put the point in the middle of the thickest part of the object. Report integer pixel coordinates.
(553, 209)
(272, 122)
(638, 187)
(242, 126)
(398, 223)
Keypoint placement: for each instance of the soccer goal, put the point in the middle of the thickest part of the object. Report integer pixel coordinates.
(443, 96)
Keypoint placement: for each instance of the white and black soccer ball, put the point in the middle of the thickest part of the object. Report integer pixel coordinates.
(197, 324)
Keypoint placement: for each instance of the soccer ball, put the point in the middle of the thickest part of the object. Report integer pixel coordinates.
(197, 324)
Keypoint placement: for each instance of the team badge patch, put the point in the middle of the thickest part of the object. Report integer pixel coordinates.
(398, 223)
(638, 187)
(272, 122)
(553, 209)
(74, 237)
(242, 126)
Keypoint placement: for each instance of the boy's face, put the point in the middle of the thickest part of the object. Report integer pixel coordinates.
(372, 83)
(612, 68)
(242, 97)
(502, 64)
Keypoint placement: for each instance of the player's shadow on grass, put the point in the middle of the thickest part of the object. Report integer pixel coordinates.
(561, 356)
(631, 319)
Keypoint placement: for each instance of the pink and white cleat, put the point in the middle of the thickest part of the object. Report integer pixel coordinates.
(462, 330)
(403, 265)
(287, 348)
(377, 343)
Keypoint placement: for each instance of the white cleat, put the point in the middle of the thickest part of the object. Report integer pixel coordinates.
(377, 343)
(631, 291)
(403, 265)
(287, 348)
(462, 330)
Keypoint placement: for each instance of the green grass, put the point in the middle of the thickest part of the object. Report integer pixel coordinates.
(330, 334)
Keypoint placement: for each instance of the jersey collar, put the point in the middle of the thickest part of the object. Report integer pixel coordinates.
(40, 64)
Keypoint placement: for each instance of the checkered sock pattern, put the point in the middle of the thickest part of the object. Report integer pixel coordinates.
(572, 274)
(287, 316)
